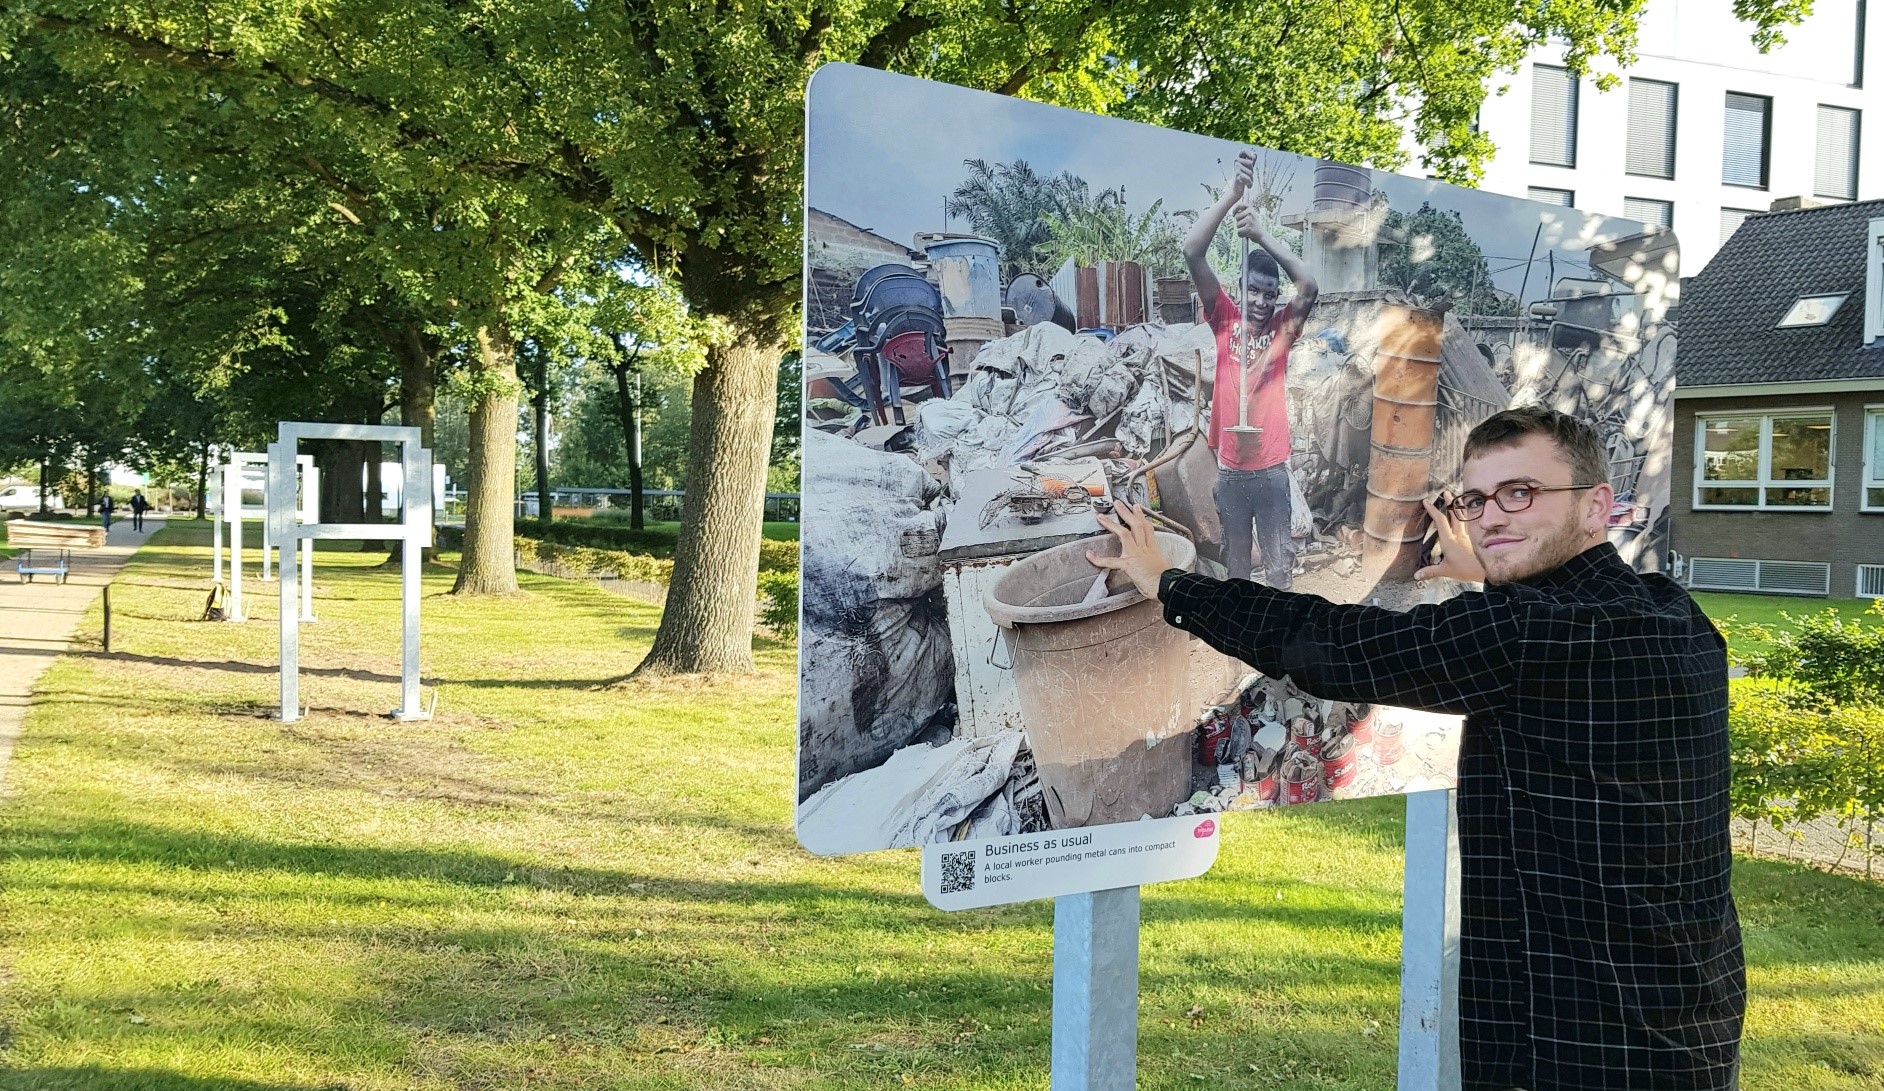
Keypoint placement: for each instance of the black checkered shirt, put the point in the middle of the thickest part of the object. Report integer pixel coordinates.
(1599, 948)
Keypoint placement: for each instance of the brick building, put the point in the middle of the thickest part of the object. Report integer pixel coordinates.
(1779, 422)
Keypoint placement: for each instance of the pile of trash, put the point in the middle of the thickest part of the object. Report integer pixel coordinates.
(873, 616)
(1268, 744)
(1046, 392)
(951, 791)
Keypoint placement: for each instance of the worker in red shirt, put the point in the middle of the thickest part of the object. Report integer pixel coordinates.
(1252, 463)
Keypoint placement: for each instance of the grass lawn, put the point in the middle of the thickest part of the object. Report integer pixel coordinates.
(1767, 610)
(568, 882)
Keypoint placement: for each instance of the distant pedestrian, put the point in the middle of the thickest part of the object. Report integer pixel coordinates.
(104, 510)
(139, 506)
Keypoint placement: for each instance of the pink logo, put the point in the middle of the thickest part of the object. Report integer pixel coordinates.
(1205, 828)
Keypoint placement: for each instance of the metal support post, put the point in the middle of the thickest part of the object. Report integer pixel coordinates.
(416, 514)
(1429, 945)
(281, 508)
(1095, 991)
(215, 523)
(107, 619)
(310, 513)
(232, 510)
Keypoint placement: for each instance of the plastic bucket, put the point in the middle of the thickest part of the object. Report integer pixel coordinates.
(1103, 684)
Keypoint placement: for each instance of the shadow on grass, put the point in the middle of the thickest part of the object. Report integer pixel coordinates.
(232, 666)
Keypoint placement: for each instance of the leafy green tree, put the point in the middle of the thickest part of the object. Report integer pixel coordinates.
(1429, 254)
(481, 155)
(1017, 207)
(1108, 231)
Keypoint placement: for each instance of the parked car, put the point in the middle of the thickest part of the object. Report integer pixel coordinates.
(22, 498)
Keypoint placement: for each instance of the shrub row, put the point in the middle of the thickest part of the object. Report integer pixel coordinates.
(773, 556)
(778, 570)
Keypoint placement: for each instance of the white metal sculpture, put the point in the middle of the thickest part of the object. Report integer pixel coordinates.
(227, 505)
(414, 530)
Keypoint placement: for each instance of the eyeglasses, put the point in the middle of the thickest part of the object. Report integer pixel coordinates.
(1512, 496)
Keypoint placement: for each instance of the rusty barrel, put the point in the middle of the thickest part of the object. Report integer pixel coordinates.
(1406, 402)
(1103, 683)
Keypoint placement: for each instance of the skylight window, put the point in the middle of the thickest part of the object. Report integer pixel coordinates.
(1813, 310)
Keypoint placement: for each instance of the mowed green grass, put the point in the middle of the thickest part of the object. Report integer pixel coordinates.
(565, 881)
(1735, 611)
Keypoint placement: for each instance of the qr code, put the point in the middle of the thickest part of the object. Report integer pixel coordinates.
(958, 872)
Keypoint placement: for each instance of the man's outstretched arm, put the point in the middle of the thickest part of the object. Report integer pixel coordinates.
(1454, 657)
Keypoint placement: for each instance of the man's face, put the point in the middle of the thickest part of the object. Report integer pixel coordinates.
(1516, 545)
(1264, 290)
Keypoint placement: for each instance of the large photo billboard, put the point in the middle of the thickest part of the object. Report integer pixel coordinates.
(1018, 316)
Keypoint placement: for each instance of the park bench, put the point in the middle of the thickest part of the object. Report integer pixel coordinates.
(45, 538)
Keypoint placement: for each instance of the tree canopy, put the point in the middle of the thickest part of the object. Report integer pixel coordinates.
(355, 193)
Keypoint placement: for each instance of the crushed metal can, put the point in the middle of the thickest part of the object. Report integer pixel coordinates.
(1388, 746)
(1361, 723)
(1341, 760)
(1306, 736)
(1213, 739)
(1301, 779)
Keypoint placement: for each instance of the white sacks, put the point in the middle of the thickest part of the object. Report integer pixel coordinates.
(873, 616)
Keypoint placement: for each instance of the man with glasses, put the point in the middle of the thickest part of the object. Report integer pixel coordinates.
(1599, 946)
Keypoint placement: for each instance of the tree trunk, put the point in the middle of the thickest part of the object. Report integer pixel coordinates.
(706, 626)
(91, 488)
(628, 403)
(373, 497)
(418, 404)
(202, 484)
(489, 565)
(45, 486)
(418, 386)
(342, 498)
(545, 502)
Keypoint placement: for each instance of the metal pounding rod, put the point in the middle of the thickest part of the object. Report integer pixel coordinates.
(1242, 338)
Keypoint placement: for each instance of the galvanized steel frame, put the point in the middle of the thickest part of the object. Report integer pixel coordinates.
(229, 509)
(414, 531)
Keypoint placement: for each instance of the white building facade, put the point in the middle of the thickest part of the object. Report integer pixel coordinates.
(1703, 129)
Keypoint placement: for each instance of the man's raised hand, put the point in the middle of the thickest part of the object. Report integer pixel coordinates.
(1456, 560)
(1139, 556)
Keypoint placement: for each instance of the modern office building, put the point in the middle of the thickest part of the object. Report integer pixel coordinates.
(1703, 129)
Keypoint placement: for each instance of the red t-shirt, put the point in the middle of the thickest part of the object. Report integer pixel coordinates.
(1268, 388)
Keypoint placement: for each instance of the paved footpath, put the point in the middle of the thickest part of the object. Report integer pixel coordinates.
(37, 620)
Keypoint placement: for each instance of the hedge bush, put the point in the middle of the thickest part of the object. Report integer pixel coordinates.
(588, 561)
(778, 596)
(773, 556)
(1808, 727)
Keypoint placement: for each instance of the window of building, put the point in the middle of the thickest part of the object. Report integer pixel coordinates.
(1651, 128)
(1770, 461)
(1543, 195)
(1732, 218)
(1748, 128)
(1874, 458)
(1650, 211)
(1553, 116)
(1812, 310)
(1835, 170)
